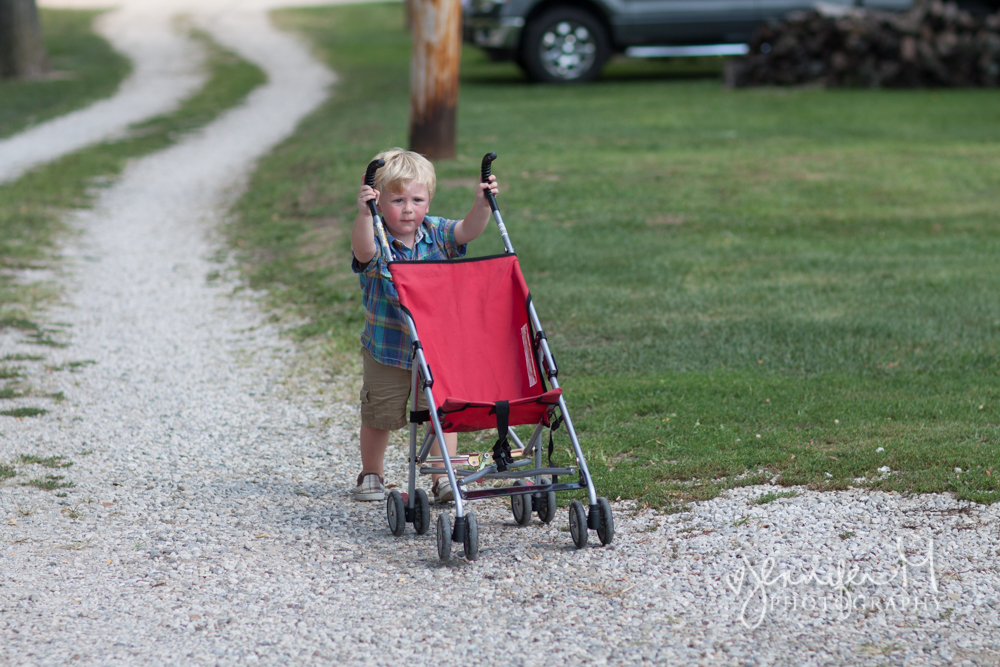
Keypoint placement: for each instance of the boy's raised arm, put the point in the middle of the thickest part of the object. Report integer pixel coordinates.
(362, 234)
(475, 221)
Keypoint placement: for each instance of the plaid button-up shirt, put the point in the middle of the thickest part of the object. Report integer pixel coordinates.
(385, 335)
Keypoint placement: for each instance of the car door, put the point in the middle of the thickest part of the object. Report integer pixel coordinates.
(663, 22)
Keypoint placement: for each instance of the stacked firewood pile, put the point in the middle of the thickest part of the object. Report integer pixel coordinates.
(932, 44)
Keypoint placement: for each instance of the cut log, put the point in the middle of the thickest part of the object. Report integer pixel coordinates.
(932, 44)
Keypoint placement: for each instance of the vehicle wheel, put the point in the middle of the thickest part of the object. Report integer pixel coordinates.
(472, 537)
(395, 513)
(422, 513)
(606, 525)
(578, 524)
(564, 45)
(444, 537)
(520, 506)
(547, 504)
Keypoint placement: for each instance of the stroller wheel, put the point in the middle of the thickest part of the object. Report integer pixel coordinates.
(606, 523)
(520, 506)
(395, 513)
(472, 537)
(422, 513)
(444, 537)
(546, 504)
(578, 524)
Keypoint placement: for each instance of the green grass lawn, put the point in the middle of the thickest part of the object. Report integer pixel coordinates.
(84, 69)
(738, 284)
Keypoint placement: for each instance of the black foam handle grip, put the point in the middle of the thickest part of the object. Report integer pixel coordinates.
(373, 166)
(487, 164)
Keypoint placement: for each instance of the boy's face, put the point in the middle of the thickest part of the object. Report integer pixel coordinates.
(402, 212)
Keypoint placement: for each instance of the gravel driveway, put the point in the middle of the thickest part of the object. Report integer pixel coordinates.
(210, 520)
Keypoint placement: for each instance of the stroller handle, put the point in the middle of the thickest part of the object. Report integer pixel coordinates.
(373, 166)
(485, 172)
(487, 164)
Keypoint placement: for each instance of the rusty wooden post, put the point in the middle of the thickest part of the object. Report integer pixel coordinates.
(22, 54)
(408, 15)
(437, 49)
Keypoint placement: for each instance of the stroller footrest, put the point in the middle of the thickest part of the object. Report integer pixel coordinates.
(459, 472)
(534, 472)
(520, 490)
(463, 472)
(491, 472)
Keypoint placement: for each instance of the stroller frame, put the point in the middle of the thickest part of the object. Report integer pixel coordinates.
(537, 496)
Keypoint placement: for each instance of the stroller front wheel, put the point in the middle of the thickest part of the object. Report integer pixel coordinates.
(471, 537)
(444, 537)
(578, 524)
(546, 504)
(520, 506)
(395, 513)
(422, 513)
(606, 523)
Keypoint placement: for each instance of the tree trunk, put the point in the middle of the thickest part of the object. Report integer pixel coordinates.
(22, 54)
(408, 15)
(437, 49)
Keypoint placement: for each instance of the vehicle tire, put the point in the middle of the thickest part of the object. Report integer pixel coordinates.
(395, 513)
(578, 524)
(422, 513)
(546, 504)
(444, 537)
(564, 45)
(471, 544)
(520, 506)
(606, 523)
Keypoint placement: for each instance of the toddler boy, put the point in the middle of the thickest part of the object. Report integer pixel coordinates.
(403, 191)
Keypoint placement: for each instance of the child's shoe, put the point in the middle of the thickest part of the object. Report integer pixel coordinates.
(370, 487)
(442, 491)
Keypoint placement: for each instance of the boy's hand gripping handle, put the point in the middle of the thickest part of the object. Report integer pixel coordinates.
(487, 166)
(485, 173)
(374, 166)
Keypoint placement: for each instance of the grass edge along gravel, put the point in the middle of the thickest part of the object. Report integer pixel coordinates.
(812, 300)
(32, 208)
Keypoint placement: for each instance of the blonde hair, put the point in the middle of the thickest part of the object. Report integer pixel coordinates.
(401, 166)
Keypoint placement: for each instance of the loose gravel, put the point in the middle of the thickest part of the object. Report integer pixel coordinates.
(210, 519)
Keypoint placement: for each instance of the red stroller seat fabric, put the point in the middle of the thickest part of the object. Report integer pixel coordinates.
(472, 319)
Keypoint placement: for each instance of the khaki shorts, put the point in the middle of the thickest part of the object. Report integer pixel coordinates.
(385, 395)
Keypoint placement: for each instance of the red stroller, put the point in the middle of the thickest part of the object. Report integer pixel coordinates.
(477, 359)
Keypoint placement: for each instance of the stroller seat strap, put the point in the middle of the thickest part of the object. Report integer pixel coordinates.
(501, 451)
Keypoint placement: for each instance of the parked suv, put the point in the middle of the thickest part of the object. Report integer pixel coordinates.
(570, 40)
